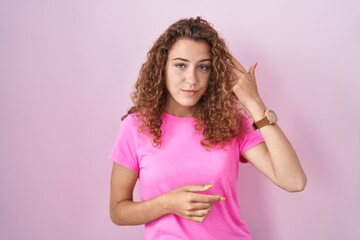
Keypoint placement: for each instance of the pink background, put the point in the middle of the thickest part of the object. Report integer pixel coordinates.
(67, 69)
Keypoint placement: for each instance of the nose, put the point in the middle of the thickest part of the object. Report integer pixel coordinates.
(190, 77)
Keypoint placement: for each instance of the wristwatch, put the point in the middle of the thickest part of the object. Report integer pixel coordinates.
(270, 118)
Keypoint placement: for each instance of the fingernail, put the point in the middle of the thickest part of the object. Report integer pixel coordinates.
(255, 65)
(208, 186)
(221, 198)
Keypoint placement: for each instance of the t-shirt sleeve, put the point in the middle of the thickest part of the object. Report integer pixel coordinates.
(249, 138)
(124, 150)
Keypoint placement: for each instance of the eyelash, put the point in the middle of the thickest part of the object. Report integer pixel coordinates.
(201, 67)
(204, 68)
(180, 65)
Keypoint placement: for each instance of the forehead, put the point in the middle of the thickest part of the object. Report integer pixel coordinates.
(189, 49)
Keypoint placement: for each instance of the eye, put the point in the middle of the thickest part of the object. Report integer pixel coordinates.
(180, 65)
(204, 67)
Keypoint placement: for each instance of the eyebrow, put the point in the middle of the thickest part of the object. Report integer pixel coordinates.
(186, 60)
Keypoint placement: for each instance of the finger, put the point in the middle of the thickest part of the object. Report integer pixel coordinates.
(252, 71)
(199, 216)
(197, 188)
(238, 65)
(203, 198)
(238, 74)
(252, 75)
(200, 206)
(197, 219)
(198, 213)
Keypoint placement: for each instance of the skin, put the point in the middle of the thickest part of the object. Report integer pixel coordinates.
(187, 76)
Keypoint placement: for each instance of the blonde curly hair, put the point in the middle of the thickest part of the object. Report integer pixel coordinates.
(217, 114)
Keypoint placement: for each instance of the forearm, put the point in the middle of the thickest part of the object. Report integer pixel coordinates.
(287, 169)
(128, 212)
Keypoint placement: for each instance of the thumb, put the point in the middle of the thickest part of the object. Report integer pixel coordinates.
(197, 188)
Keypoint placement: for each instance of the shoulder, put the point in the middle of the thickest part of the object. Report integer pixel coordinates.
(130, 125)
(131, 119)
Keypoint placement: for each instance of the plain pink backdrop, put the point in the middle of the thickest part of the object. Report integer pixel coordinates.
(67, 69)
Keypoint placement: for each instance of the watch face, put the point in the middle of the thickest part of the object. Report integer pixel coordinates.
(272, 116)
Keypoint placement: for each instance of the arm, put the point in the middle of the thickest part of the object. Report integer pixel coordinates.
(184, 201)
(123, 210)
(276, 158)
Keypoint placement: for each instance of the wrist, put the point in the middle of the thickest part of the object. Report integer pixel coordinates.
(270, 118)
(162, 204)
(256, 109)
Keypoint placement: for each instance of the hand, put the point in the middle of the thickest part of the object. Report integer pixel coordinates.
(245, 87)
(186, 202)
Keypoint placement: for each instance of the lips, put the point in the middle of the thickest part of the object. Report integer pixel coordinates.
(189, 92)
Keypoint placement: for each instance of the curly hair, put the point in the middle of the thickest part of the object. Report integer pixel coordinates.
(217, 114)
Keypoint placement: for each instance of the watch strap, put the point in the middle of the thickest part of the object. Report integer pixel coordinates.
(270, 118)
(261, 123)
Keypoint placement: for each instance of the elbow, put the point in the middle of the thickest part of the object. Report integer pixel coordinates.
(295, 185)
(117, 221)
(299, 186)
(115, 218)
(120, 214)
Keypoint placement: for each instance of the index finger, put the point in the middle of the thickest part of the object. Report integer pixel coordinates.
(238, 65)
(205, 198)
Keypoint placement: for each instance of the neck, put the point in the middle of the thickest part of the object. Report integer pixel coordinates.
(180, 111)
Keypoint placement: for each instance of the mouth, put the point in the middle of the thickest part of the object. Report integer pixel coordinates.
(190, 92)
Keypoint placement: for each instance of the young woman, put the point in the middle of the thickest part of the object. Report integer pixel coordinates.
(185, 136)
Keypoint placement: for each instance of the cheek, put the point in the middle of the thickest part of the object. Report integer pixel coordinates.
(168, 79)
(206, 85)
(173, 79)
(206, 81)
(170, 83)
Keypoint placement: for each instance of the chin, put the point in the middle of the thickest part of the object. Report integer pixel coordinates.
(188, 103)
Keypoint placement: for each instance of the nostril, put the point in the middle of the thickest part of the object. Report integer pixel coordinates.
(189, 84)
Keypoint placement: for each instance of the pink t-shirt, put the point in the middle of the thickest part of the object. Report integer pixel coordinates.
(182, 160)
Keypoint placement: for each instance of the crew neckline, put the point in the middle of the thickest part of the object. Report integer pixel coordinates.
(177, 117)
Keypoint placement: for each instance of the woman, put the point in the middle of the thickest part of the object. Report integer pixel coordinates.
(185, 135)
